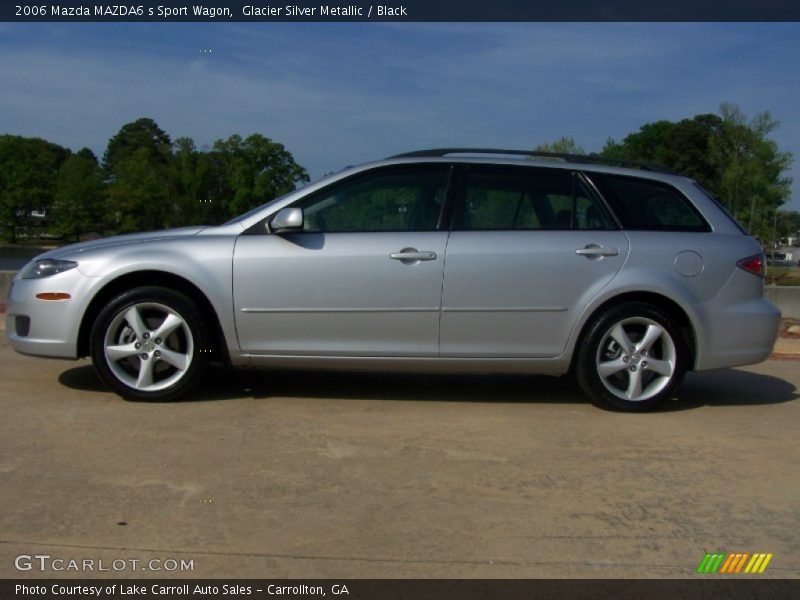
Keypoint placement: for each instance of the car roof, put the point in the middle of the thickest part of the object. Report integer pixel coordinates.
(665, 175)
(592, 158)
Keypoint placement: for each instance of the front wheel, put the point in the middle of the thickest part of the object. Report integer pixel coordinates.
(149, 344)
(632, 358)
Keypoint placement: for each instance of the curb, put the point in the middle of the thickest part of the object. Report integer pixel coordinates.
(775, 356)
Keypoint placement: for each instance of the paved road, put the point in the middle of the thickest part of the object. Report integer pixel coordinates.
(8, 263)
(13, 258)
(333, 475)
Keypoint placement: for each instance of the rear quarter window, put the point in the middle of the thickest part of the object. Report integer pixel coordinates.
(648, 205)
(718, 203)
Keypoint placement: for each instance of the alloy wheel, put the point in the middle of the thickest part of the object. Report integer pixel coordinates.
(636, 359)
(148, 346)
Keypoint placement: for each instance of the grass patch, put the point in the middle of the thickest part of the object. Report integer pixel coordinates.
(783, 276)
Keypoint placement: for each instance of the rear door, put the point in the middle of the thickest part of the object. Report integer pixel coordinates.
(529, 248)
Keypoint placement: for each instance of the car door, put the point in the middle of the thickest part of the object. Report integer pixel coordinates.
(530, 247)
(362, 278)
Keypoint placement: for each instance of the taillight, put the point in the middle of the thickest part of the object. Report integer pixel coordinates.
(753, 264)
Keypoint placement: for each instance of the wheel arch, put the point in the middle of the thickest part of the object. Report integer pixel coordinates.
(666, 304)
(219, 349)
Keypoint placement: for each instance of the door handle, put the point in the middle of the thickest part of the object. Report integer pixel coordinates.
(412, 255)
(595, 250)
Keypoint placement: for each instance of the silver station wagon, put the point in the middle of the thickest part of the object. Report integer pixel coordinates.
(459, 260)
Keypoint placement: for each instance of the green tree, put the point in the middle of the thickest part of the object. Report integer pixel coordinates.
(28, 168)
(788, 224)
(77, 206)
(199, 186)
(141, 188)
(752, 169)
(686, 146)
(563, 145)
(131, 139)
(145, 181)
(254, 170)
(187, 184)
(647, 144)
(139, 197)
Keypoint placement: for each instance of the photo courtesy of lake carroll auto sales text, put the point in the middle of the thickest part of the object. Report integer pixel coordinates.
(129, 590)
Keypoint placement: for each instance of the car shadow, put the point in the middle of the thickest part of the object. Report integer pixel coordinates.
(733, 387)
(723, 387)
(232, 384)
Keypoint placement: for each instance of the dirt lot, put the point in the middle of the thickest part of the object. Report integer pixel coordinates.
(342, 475)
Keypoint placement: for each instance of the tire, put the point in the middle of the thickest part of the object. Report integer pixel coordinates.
(644, 374)
(149, 344)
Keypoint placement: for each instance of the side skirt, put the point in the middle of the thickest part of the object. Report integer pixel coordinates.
(540, 366)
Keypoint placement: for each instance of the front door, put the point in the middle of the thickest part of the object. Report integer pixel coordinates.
(363, 277)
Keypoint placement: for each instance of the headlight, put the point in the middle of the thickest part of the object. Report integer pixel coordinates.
(44, 268)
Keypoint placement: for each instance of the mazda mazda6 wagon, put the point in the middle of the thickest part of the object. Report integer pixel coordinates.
(454, 260)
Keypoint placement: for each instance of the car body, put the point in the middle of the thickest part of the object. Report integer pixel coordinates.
(430, 261)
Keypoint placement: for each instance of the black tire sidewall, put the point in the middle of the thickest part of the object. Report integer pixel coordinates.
(181, 304)
(588, 376)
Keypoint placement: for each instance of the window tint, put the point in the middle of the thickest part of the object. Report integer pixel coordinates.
(394, 199)
(649, 205)
(526, 198)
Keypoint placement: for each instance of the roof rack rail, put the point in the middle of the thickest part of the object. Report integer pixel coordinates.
(575, 158)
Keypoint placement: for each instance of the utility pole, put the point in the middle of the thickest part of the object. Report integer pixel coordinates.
(775, 228)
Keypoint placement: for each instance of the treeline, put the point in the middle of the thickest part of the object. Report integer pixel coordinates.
(144, 181)
(729, 154)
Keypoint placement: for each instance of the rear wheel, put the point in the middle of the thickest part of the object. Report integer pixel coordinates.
(632, 358)
(148, 344)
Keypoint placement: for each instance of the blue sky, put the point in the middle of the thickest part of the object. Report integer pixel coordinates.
(340, 94)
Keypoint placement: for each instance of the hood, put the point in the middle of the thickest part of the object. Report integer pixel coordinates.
(117, 240)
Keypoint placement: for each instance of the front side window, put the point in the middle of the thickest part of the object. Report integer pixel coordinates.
(393, 199)
(649, 205)
(527, 198)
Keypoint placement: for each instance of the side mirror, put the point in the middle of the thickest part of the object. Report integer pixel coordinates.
(286, 220)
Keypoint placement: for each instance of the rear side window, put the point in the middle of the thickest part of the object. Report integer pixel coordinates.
(503, 198)
(648, 205)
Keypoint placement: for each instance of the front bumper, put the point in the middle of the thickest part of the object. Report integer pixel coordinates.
(52, 325)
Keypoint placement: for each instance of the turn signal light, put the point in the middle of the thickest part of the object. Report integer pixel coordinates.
(753, 264)
(53, 296)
